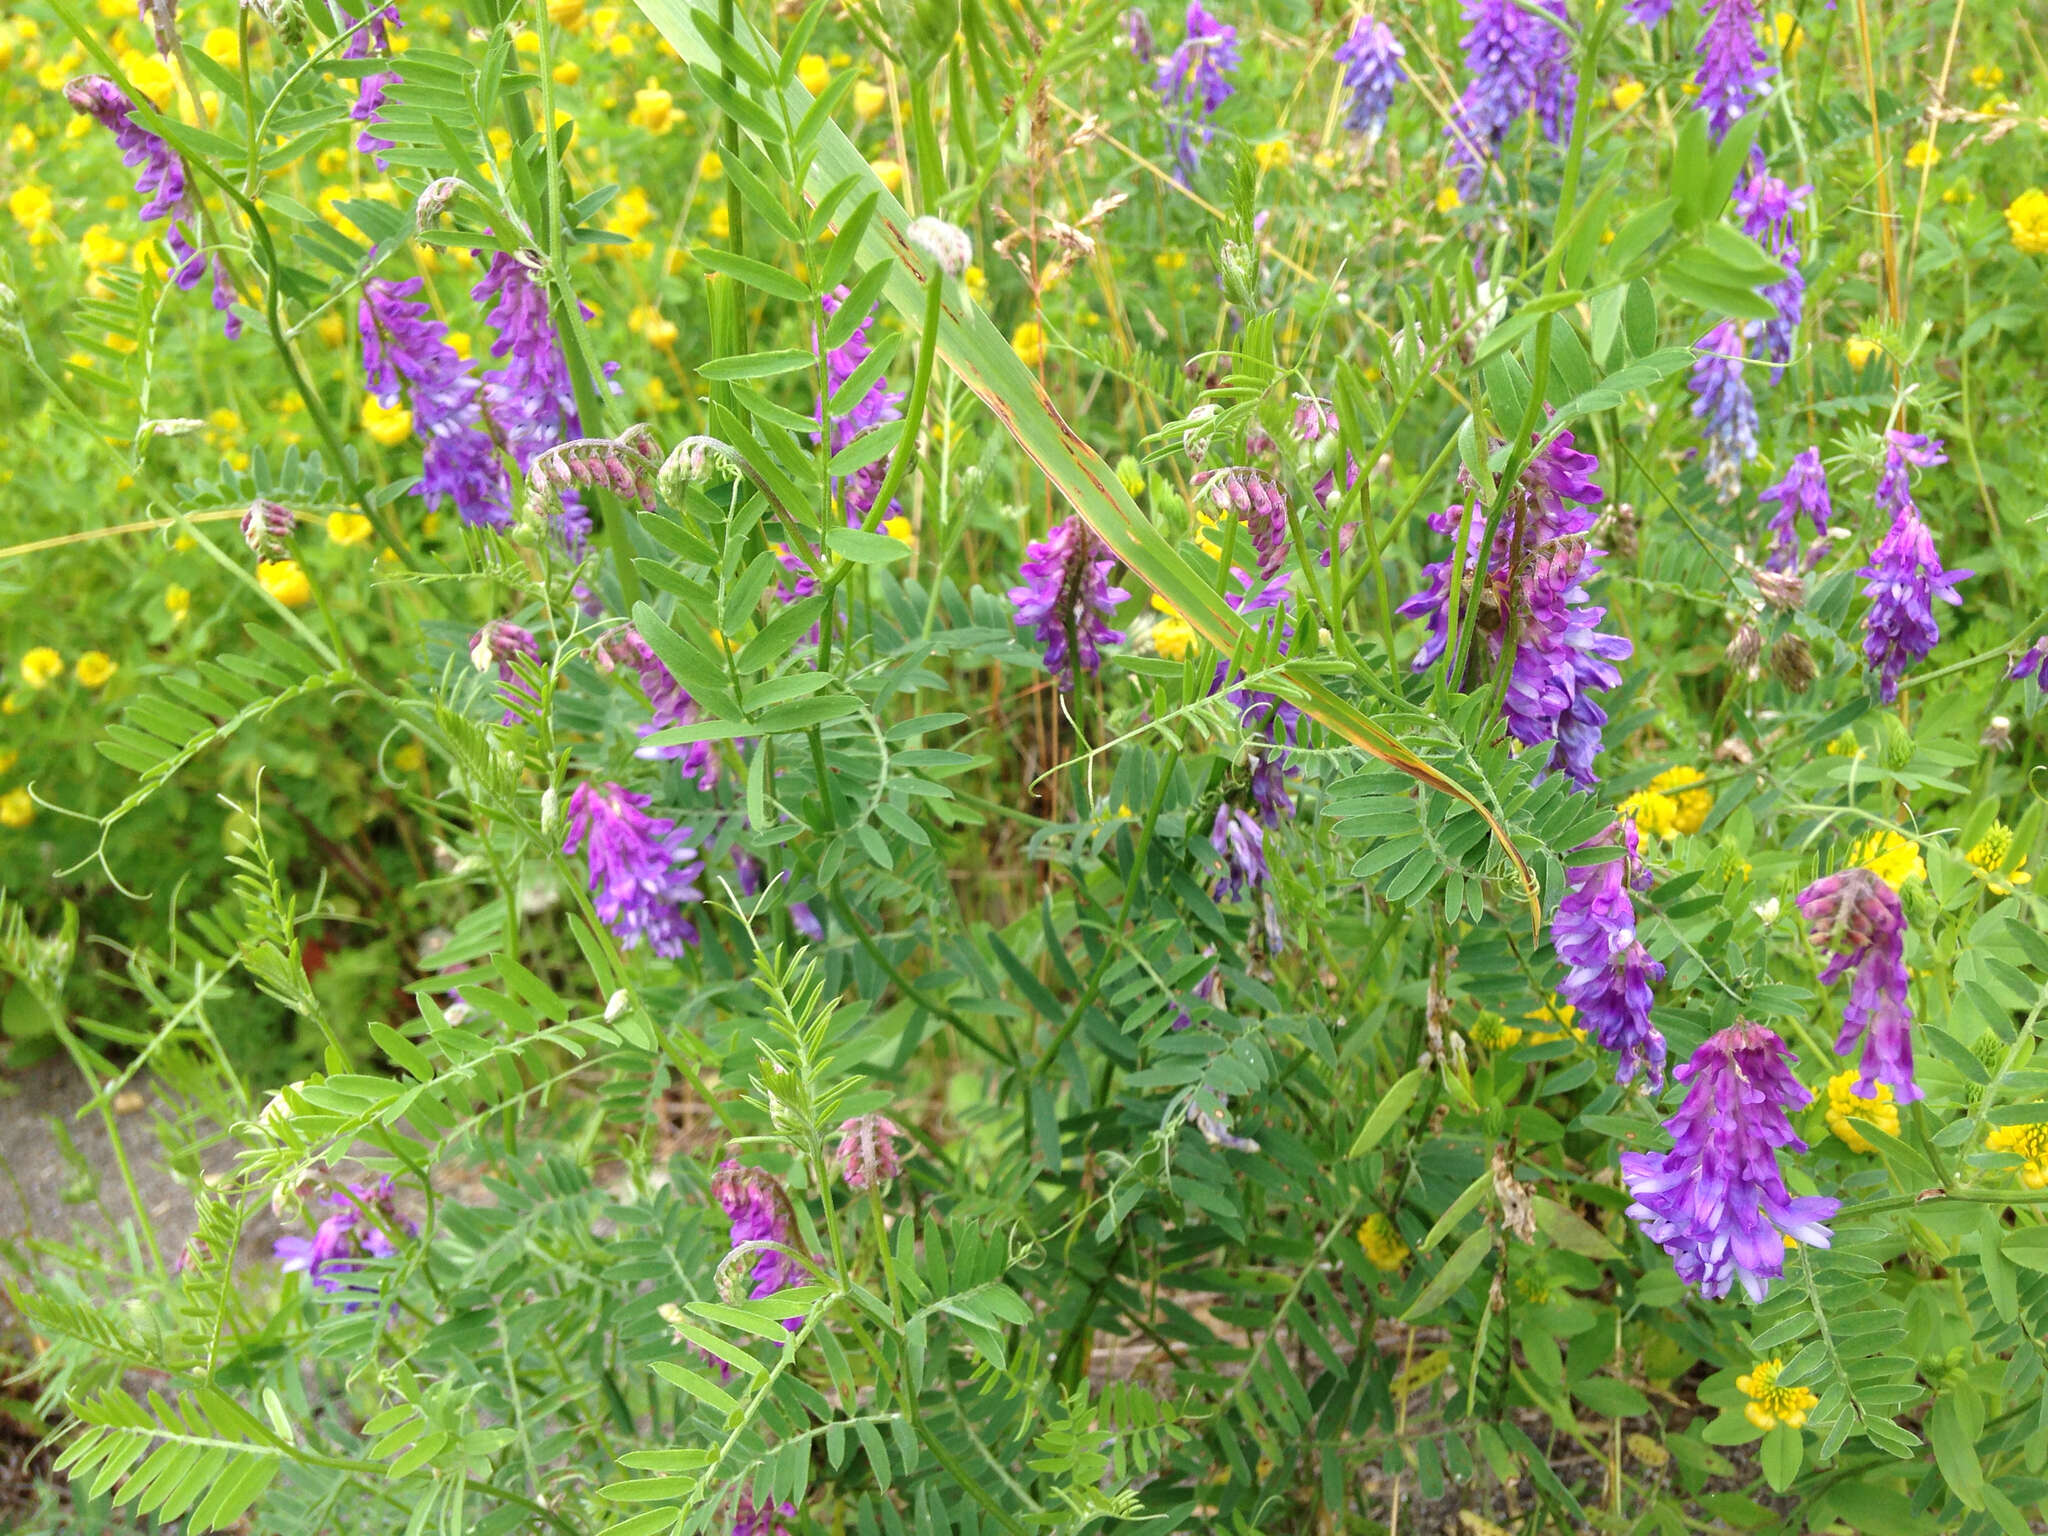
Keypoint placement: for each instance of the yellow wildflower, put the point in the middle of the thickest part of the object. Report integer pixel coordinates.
(1652, 812)
(223, 45)
(285, 581)
(721, 222)
(898, 528)
(1273, 154)
(654, 109)
(31, 205)
(17, 809)
(177, 602)
(98, 247)
(349, 528)
(2029, 1143)
(868, 99)
(1846, 1107)
(1028, 342)
(567, 72)
(1786, 29)
(1892, 858)
(1170, 261)
(655, 395)
(1921, 153)
(331, 328)
(1693, 804)
(526, 43)
(94, 668)
(1770, 1404)
(1448, 200)
(631, 213)
(386, 424)
(1862, 349)
(21, 139)
(326, 202)
(890, 173)
(1987, 861)
(1172, 635)
(2027, 217)
(566, 13)
(1987, 77)
(8, 758)
(710, 166)
(1560, 1014)
(1382, 1243)
(152, 76)
(1491, 1032)
(977, 284)
(41, 667)
(1627, 94)
(652, 326)
(814, 72)
(1845, 745)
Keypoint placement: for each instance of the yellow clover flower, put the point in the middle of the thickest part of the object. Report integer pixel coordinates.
(654, 109)
(1693, 804)
(1382, 1243)
(1172, 635)
(1892, 858)
(1627, 94)
(349, 528)
(814, 72)
(2029, 1143)
(2027, 217)
(1845, 1108)
(41, 667)
(386, 424)
(17, 809)
(94, 668)
(1028, 342)
(868, 99)
(1448, 200)
(1770, 1404)
(177, 602)
(285, 581)
(1987, 860)
(1652, 812)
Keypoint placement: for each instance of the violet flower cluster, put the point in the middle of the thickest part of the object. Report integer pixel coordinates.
(877, 406)
(1240, 842)
(1648, 12)
(1766, 204)
(1371, 64)
(643, 872)
(1608, 972)
(669, 702)
(867, 1153)
(1065, 599)
(758, 1208)
(1905, 575)
(770, 1517)
(1724, 407)
(1519, 62)
(1194, 81)
(406, 352)
(1734, 69)
(1857, 916)
(1534, 588)
(1256, 501)
(1804, 489)
(160, 179)
(2033, 662)
(364, 1217)
(1717, 1202)
(371, 40)
(502, 643)
(1266, 605)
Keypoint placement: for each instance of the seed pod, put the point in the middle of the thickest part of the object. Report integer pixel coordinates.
(1792, 663)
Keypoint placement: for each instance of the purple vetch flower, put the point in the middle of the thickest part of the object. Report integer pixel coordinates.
(670, 703)
(365, 1216)
(769, 1518)
(1194, 81)
(1717, 1202)
(371, 40)
(1857, 917)
(406, 351)
(161, 178)
(642, 869)
(1804, 488)
(877, 406)
(1519, 62)
(1138, 33)
(2033, 662)
(1766, 204)
(1241, 842)
(1905, 574)
(501, 642)
(1724, 407)
(1648, 12)
(1261, 713)
(1269, 787)
(758, 1208)
(530, 398)
(161, 17)
(267, 528)
(1534, 591)
(1733, 64)
(224, 301)
(868, 1154)
(1608, 972)
(1259, 503)
(1371, 61)
(1208, 990)
(751, 873)
(1066, 599)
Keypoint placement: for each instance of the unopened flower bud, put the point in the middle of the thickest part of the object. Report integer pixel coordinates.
(867, 1151)
(1194, 442)
(266, 528)
(1783, 590)
(1792, 663)
(1895, 742)
(949, 246)
(695, 461)
(616, 1005)
(551, 815)
(1240, 265)
(286, 18)
(1744, 649)
(434, 201)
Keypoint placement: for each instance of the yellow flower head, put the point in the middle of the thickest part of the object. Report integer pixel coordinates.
(814, 72)
(17, 809)
(567, 72)
(631, 213)
(1382, 1243)
(977, 284)
(710, 166)
(94, 668)
(41, 667)
(223, 45)
(898, 528)
(1786, 30)
(1273, 154)
(1627, 94)
(868, 99)
(889, 172)
(285, 581)
(2027, 217)
(721, 222)
(652, 326)
(177, 602)
(1448, 200)
(654, 109)
(2029, 1143)
(1693, 804)
(1770, 1404)
(22, 139)
(31, 205)
(1172, 636)
(1892, 858)
(1921, 153)
(1554, 1013)
(1987, 861)
(349, 528)
(1028, 342)
(1861, 350)
(1845, 1108)
(1170, 261)
(1494, 1033)
(1987, 77)
(386, 424)
(1652, 812)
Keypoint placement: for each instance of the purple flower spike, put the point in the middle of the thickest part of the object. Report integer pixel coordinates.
(765, 1519)
(530, 398)
(502, 642)
(1371, 61)
(365, 1216)
(642, 869)
(1803, 489)
(1905, 574)
(1733, 64)
(1519, 63)
(758, 1208)
(1067, 601)
(406, 351)
(162, 174)
(868, 1153)
(372, 41)
(671, 705)
(1262, 506)
(1237, 836)
(1608, 972)
(1766, 205)
(876, 407)
(1724, 407)
(1857, 916)
(1648, 12)
(1717, 1202)
(2032, 663)
(1194, 81)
